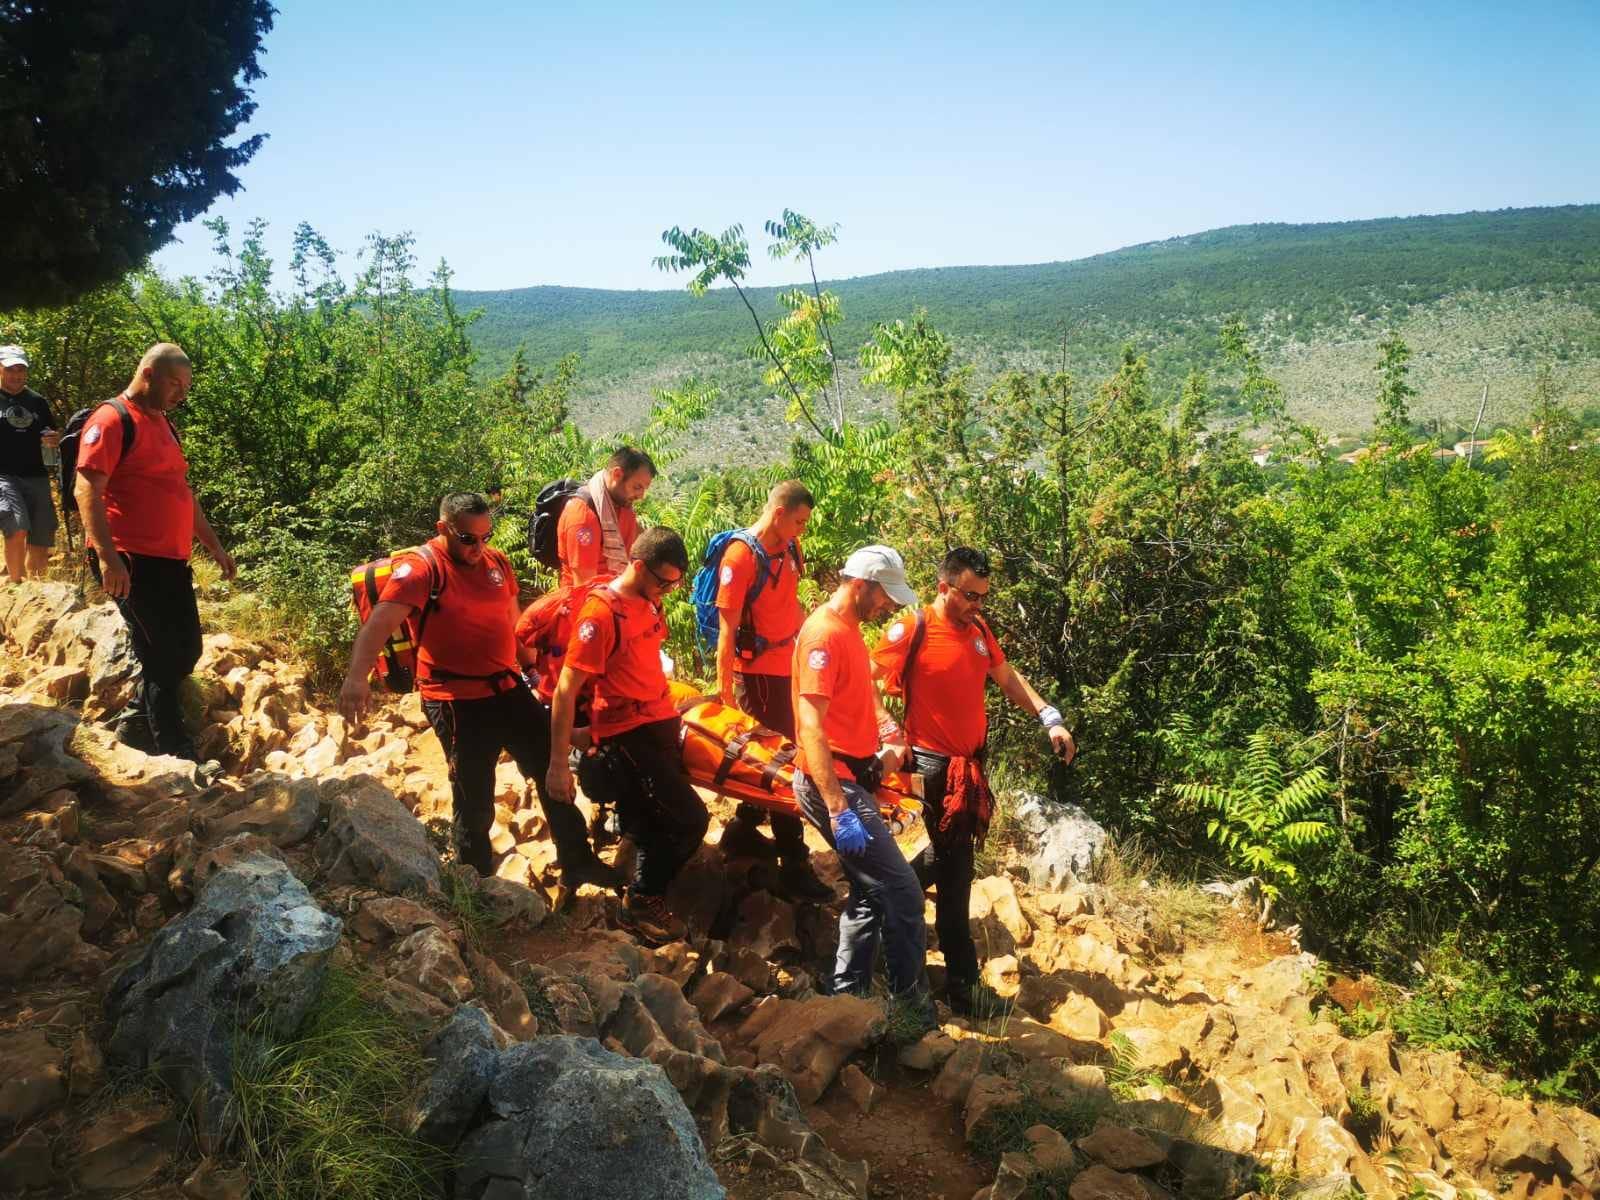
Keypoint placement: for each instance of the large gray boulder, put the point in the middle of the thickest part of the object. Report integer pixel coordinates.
(1060, 841)
(248, 959)
(373, 839)
(559, 1118)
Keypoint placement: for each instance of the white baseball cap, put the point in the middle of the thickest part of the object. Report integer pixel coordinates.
(12, 356)
(883, 566)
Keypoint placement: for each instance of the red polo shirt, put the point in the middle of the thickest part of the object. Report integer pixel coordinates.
(948, 675)
(617, 639)
(776, 613)
(469, 632)
(148, 502)
(578, 537)
(830, 662)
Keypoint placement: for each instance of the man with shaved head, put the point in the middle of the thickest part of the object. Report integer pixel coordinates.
(142, 520)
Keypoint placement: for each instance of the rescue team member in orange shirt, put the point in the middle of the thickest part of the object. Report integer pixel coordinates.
(598, 525)
(954, 655)
(142, 521)
(472, 689)
(754, 649)
(617, 643)
(837, 771)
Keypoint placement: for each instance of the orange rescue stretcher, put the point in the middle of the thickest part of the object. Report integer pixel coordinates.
(727, 751)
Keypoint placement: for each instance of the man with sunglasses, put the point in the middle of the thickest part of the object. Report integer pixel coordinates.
(616, 642)
(938, 661)
(838, 719)
(473, 691)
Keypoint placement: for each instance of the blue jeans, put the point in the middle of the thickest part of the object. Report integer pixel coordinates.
(885, 902)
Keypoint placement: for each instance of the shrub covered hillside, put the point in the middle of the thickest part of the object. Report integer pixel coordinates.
(1375, 687)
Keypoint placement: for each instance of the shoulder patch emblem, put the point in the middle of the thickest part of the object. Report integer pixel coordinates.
(896, 631)
(587, 631)
(585, 535)
(91, 435)
(981, 646)
(402, 570)
(817, 659)
(727, 573)
(495, 577)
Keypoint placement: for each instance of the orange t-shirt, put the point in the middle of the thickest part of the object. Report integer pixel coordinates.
(545, 627)
(617, 639)
(776, 613)
(947, 677)
(469, 631)
(830, 662)
(578, 538)
(148, 501)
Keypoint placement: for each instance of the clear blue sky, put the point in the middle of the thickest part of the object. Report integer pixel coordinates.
(531, 144)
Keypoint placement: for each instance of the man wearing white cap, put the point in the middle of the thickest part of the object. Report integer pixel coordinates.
(27, 510)
(838, 718)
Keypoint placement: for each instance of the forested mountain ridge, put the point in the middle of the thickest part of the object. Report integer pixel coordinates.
(1481, 297)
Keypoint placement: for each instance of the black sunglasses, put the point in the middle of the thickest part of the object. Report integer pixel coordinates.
(666, 584)
(974, 597)
(471, 539)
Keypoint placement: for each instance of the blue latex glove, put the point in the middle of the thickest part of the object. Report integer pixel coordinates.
(850, 836)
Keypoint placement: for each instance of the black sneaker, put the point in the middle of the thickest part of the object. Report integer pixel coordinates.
(650, 920)
(979, 1001)
(741, 839)
(798, 881)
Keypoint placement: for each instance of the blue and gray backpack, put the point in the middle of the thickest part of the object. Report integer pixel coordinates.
(747, 644)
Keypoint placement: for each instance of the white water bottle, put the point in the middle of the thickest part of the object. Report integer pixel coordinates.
(50, 454)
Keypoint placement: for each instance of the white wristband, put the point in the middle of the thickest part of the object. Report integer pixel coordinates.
(1049, 716)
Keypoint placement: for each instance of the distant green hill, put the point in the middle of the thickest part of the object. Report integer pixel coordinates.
(1481, 296)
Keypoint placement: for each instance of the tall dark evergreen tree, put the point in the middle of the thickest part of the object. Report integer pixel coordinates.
(116, 120)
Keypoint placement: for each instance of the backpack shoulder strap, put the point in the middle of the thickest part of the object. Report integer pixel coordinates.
(436, 578)
(918, 632)
(129, 430)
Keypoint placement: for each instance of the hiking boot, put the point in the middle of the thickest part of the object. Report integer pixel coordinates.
(135, 732)
(978, 1001)
(650, 920)
(798, 881)
(741, 839)
(592, 870)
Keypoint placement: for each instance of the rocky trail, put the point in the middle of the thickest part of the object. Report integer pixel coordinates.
(156, 930)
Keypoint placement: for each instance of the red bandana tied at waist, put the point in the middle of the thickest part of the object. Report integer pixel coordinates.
(967, 798)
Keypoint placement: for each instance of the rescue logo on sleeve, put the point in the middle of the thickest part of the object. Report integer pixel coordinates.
(495, 577)
(727, 573)
(587, 631)
(817, 659)
(585, 535)
(91, 435)
(981, 646)
(896, 631)
(402, 570)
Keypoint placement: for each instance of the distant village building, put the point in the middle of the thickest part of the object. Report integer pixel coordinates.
(1472, 447)
(1261, 455)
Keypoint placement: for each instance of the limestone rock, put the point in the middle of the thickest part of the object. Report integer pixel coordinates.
(998, 926)
(125, 1149)
(373, 839)
(1061, 841)
(1078, 1016)
(1098, 1182)
(255, 945)
(429, 960)
(513, 903)
(955, 1079)
(563, 1117)
(465, 1054)
(718, 994)
(1121, 1149)
(27, 1162)
(987, 1094)
(32, 1076)
(765, 925)
(280, 809)
(212, 1181)
(39, 923)
(385, 919)
(88, 1065)
(1236, 1108)
(928, 1053)
(811, 1039)
(861, 1090)
(506, 1001)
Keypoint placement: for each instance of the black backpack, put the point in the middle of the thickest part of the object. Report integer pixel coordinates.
(72, 437)
(543, 524)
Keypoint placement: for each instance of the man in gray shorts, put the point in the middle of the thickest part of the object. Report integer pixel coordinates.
(27, 429)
